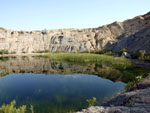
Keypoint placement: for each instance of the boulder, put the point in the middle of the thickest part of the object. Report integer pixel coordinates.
(126, 55)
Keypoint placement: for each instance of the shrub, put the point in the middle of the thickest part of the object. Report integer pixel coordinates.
(109, 53)
(3, 51)
(129, 85)
(135, 81)
(142, 54)
(10, 108)
(91, 102)
(147, 58)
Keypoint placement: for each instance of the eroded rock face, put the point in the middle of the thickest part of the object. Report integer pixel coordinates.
(133, 34)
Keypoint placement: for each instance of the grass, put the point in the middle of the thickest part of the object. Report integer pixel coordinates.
(88, 58)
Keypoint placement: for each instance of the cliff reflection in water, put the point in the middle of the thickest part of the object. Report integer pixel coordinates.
(48, 66)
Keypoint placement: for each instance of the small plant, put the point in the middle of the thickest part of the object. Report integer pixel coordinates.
(131, 102)
(4, 51)
(91, 102)
(137, 80)
(129, 85)
(147, 58)
(10, 108)
(32, 109)
(142, 54)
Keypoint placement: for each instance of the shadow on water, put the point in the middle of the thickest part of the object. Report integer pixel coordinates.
(60, 87)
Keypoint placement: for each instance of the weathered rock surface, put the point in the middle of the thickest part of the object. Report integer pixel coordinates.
(135, 101)
(133, 34)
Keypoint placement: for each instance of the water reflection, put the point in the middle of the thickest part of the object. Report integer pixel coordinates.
(48, 66)
(58, 87)
(55, 93)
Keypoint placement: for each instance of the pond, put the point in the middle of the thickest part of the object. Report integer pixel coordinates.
(58, 87)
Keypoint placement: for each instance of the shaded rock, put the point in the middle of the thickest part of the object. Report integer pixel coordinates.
(126, 55)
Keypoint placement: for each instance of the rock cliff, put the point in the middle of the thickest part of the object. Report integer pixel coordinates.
(133, 34)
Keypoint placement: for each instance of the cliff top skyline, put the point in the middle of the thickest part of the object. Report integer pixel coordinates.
(59, 14)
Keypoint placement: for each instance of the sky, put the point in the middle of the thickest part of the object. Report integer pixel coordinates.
(59, 14)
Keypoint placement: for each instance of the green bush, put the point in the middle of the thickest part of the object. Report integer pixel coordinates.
(10, 108)
(135, 81)
(129, 85)
(91, 102)
(4, 51)
(142, 54)
(147, 58)
(109, 53)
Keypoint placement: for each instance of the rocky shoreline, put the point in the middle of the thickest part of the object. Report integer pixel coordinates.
(137, 100)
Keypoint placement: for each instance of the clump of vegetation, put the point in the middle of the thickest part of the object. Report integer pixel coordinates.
(4, 51)
(92, 102)
(109, 53)
(32, 109)
(129, 85)
(43, 51)
(142, 54)
(147, 58)
(4, 59)
(135, 81)
(10, 108)
(84, 57)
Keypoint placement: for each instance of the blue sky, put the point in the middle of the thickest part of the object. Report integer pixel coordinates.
(55, 14)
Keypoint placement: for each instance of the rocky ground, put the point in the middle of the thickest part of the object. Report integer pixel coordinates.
(141, 63)
(136, 100)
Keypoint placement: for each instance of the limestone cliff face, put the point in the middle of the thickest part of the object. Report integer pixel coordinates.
(133, 34)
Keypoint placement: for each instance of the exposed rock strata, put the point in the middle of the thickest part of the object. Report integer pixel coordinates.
(133, 34)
